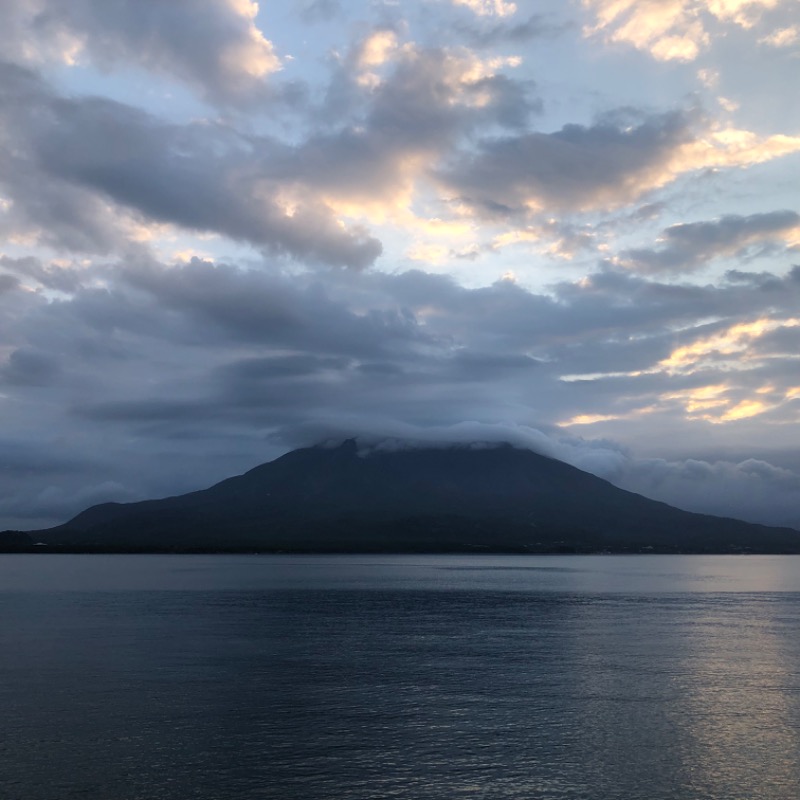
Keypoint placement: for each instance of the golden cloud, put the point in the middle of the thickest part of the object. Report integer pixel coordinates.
(783, 37)
(715, 149)
(716, 403)
(588, 419)
(459, 74)
(254, 55)
(670, 30)
(727, 346)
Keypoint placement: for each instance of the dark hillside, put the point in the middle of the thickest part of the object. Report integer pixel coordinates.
(461, 498)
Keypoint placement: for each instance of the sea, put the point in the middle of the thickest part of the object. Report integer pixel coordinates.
(213, 677)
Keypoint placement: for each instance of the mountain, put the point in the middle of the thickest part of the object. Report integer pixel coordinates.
(15, 541)
(456, 499)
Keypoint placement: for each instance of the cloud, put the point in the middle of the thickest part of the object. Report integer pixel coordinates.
(39, 207)
(677, 30)
(558, 239)
(783, 37)
(536, 26)
(320, 10)
(484, 8)
(753, 489)
(55, 502)
(90, 174)
(688, 246)
(57, 275)
(745, 13)
(420, 325)
(212, 45)
(575, 167)
(726, 318)
(168, 363)
(613, 162)
(101, 167)
(29, 368)
(192, 272)
(195, 178)
(8, 283)
(258, 307)
(725, 343)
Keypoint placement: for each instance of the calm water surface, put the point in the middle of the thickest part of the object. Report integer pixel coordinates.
(354, 677)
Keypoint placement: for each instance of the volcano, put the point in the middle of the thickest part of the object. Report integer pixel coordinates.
(461, 498)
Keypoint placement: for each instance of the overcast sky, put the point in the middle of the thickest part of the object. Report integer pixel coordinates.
(230, 229)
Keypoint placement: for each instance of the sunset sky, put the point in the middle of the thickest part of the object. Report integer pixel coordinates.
(228, 229)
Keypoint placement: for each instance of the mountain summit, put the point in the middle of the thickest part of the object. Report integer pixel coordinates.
(462, 498)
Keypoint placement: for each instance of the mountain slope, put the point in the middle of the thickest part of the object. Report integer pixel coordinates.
(460, 498)
(15, 541)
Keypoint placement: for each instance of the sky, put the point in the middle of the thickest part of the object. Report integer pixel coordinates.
(229, 229)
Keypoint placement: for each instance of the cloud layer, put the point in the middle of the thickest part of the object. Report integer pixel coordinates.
(212, 45)
(228, 232)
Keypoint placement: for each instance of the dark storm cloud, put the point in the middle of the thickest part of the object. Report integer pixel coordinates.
(688, 246)
(212, 45)
(612, 161)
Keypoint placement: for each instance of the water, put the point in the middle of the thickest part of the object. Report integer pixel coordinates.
(353, 677)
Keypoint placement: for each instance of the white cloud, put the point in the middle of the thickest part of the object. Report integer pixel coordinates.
(485, 8)
(671, 30)
(783, 37)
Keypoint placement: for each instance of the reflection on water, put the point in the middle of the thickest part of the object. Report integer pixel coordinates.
(419, 677)
(582, 574)
(739, 686)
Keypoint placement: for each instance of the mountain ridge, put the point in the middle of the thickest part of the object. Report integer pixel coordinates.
(458, 498)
